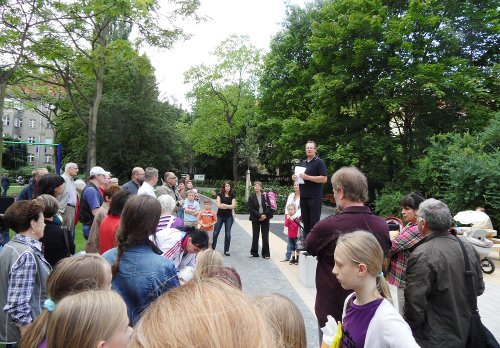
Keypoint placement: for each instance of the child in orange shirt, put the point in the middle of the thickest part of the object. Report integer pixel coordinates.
(207, 219)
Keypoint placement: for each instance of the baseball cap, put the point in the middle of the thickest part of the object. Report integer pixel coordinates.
(97, 171)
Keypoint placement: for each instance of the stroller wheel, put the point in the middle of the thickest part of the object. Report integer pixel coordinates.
(487, 266)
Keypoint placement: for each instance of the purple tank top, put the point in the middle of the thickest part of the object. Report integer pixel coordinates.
(356, 321)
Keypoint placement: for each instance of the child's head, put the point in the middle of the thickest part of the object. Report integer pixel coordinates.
(207, 204)
(291, 209)
(185, 316)
(359, 257)
(190, 195)
(197, 240)
(71, 275)
(208, 261)
(285, 318)
(89, 319)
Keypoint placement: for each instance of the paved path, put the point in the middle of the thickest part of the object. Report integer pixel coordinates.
(266, 276)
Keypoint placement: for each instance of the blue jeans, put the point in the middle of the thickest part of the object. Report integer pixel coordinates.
(292, 242)
(86, 231)
(228, 223)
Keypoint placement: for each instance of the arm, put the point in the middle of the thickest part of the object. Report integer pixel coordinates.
(320, 179)
(21, 283)
(405, 240)
(419, 279)
(252, 200)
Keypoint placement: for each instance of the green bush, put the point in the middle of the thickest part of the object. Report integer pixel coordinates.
(387, 202)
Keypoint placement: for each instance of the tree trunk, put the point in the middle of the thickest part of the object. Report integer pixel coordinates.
(2, 99)
(235, 159)
(93, 112)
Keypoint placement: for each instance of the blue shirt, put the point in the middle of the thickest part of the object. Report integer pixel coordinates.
(142, 277)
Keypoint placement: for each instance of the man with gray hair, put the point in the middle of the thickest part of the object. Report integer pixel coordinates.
(436, 296)
(68, 200)
(168, 188)
(135, 181)
(150, 180)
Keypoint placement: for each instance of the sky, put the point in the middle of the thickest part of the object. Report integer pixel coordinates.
(259, 19)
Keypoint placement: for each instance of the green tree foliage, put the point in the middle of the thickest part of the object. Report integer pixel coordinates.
(379, 78)
(134, 128)
(224, 98)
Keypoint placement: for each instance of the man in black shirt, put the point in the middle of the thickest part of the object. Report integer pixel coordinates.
(311, 191)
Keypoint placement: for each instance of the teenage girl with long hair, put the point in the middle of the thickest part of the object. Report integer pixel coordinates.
(369, 318)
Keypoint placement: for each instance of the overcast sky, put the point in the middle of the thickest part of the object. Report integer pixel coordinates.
(259, 19)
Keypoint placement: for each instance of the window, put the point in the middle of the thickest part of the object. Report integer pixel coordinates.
(48, 158)
(32, 123)
(31, 140)
(6, 120)
(18, 122)
(31, 157)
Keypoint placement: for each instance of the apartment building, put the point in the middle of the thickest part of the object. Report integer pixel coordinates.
(24, 124)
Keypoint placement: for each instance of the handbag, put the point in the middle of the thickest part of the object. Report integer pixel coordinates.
(479, 336)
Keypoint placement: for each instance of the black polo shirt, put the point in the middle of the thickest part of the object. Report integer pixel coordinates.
(315, 167)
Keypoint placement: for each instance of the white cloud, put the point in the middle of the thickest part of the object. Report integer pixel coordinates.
(259, 19)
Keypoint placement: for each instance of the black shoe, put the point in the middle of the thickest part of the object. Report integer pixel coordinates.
(265, 257)
(227, 253)
(292, 261)
(251, 255)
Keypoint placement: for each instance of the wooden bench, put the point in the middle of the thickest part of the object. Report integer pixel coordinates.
(329, 199)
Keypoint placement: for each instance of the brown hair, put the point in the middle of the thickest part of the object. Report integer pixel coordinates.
(285, 318)
(139, 220)
(363, 247)
(20, 214)
(85, 319)
(70, 276)
(207, 311)
(110, 191)
(223, 190)
(353, 182)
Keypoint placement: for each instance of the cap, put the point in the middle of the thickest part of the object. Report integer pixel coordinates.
(97, 171)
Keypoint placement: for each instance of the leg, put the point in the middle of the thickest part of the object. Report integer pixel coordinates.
(217, 227)
(255, 238)
(264, 228)
(288, 250)
(86, 231)
(304, 210)
(227, 236)
(314, 211)
(401, 301)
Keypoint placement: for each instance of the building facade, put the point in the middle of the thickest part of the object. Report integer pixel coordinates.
(24, 124)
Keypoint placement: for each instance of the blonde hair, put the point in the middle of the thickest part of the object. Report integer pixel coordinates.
(363, 247)
(208, 261)
(285, 318)
(84, 319)
(71, 275)
(203, 313)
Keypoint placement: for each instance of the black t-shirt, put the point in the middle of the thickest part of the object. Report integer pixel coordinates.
(315, 167)
(225, 200)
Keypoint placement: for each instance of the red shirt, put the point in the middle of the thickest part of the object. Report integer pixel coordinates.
(108, 228)
(293, 228)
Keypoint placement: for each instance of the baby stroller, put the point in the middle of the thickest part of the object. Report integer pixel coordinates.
(395, 226)
(483, 247)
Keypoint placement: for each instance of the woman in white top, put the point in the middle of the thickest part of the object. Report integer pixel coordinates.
(294, 198)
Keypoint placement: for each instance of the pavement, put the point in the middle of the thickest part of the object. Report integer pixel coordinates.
(260, 276)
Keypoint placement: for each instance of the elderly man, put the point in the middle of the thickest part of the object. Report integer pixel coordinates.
(68, 200)
(350, 188)
(91, 199)
(31, 190)
(169, 188)
(311, 191)
(436, 303)
(136, 180)
(150, 180)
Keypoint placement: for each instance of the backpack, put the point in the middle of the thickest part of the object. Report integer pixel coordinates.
(271, 198)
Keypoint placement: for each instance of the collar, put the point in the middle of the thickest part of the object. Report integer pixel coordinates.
(28, 241)
(313, 159)
(357, 209)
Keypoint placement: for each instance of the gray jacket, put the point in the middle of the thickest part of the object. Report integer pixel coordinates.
(436, 303)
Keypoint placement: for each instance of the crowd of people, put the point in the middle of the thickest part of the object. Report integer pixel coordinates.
(151, 275)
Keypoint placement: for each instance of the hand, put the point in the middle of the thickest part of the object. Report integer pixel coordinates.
(262, 218)
(294, 177)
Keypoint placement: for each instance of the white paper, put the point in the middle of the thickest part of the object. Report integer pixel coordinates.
(299, 170)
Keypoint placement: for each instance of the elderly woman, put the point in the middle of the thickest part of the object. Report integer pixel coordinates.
(56, 243)
(260, 214)
(23, 271)
(167, 219)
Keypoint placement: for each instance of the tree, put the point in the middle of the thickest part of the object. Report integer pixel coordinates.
(224, 96)
(79, 45)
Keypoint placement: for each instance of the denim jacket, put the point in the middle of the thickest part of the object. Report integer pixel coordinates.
(142, 277)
